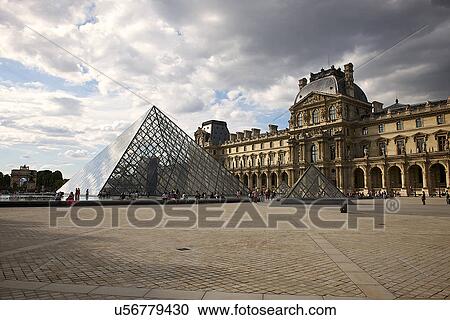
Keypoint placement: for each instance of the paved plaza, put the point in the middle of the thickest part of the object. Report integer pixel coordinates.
(407, 257)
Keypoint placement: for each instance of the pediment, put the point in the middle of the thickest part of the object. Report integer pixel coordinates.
(311, 99)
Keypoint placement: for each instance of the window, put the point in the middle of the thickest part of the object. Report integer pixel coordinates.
(262, 146)
(332, 113)
(419, 123)
(332, 152)
(399, 125)
(270, 144)
(440, 119)
(400, 146)
(420, 144)
(282, 158)
(245, 148)
(313, 153)
(281, 143)
(300, 120)
(381, 128)
(315, 116)
(442, 141)
(381, 148)
(365, 131)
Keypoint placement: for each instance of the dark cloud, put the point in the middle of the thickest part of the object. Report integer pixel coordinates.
(277, 38)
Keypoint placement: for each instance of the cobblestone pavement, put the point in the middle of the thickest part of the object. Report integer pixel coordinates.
(409, 258)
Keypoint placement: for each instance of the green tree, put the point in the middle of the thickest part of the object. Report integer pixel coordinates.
(7, 182)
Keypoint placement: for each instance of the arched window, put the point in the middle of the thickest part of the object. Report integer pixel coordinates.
(300, 120)
(332, 113)
(315, 116)
(313, 153)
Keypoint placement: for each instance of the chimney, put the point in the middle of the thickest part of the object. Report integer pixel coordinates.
(348, 73)
(256, 132)
(377, 106)
(273, 128)
(302, 82)
(247, 134)
(240, 135)
(233, 137)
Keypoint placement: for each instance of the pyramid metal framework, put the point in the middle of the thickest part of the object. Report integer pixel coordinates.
(313, 184)
(151, 157)
(282, 189)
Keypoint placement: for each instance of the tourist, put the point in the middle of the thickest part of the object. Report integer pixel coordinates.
(70, 199)
(87, 194)
(447, 196)
(423, 197)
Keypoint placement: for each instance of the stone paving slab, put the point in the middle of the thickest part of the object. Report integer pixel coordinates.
(28, 285)
(72, 288)
(217, 295)
(165, 294)
(408, 259)
(124, 292)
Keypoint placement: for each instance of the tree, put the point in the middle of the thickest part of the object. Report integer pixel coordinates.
(49, 181)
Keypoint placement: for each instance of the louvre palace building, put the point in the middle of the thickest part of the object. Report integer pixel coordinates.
(360, 146)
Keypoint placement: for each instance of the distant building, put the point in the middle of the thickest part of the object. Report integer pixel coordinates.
(24, 179)
(212, 132)
(357, 144)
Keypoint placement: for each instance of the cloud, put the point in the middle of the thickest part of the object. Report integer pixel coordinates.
(180, 54)
(66, 107)
(80, 154)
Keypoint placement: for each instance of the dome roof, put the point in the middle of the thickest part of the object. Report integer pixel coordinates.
(329, 84)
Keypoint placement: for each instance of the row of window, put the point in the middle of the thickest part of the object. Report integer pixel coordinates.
(252, 161)
(253, 147)
(315, 116)
(399, 124)
(421, 147)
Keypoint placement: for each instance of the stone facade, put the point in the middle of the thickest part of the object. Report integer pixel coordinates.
(360, 146)
(24, 179)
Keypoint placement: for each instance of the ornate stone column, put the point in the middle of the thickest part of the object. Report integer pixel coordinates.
(448, 174)
(368, 185)
(426, 177)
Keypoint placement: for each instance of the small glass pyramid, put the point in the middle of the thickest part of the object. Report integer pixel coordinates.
(151, 157)
(282, 189)
(314, 185)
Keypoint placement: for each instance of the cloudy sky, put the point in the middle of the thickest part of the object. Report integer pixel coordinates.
(237, 61)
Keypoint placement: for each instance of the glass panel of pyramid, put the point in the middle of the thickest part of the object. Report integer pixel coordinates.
(154, 156)
(313, 184)
(282, 189)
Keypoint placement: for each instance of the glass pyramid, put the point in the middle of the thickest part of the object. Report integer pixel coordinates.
(282, 189)
(314, 185)
(151, 157)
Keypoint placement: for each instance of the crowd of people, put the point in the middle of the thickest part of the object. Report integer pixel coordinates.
(261, 196)
(254, 195)
(175, 194)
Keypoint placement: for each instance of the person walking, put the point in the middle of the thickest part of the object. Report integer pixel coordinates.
(87, 194)
(423, 197)
(447, 196)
